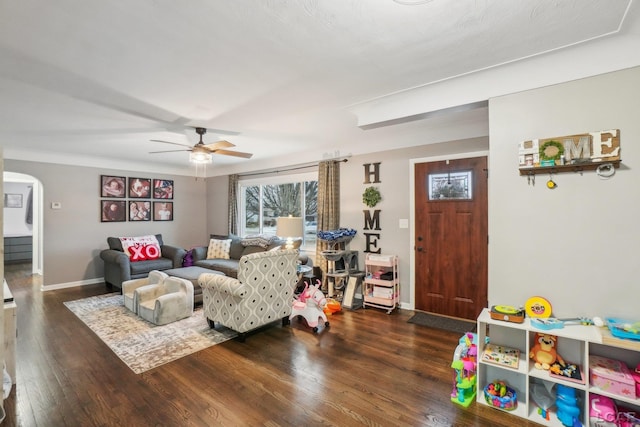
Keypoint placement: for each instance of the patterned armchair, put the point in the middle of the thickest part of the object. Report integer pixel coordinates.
(262, 293)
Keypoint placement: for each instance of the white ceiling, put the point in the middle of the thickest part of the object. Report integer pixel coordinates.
(91, 81)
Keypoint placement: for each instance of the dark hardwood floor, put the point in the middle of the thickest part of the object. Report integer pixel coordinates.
(368, 368)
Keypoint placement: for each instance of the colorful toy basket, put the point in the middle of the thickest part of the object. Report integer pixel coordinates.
(508, 402)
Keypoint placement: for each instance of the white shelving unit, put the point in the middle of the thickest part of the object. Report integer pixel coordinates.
(575, 343)
(381, 293)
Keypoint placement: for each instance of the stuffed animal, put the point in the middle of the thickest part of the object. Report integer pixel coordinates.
(543, 351)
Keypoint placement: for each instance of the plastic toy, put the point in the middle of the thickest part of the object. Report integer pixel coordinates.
(507, 313)
(536, 307)
(543, 352)
(309, 305)
(555, 323)
(331, 307)
(624, 328)
(499, 395)
(567, 404)
(465, 363)
(542, 396)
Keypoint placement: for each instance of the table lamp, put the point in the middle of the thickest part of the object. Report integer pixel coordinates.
(289, 227)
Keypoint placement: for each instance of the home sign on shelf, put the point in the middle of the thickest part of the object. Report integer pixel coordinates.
(589, 151)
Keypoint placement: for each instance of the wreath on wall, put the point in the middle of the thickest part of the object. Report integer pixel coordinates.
(551, 150)
(371, 196)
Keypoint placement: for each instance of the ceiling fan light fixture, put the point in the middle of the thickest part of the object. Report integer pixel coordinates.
(200, 157)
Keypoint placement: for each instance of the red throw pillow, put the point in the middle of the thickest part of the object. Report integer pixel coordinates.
(143, 248)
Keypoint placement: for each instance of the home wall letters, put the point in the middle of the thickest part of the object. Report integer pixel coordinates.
(372, 220)
(583, 151)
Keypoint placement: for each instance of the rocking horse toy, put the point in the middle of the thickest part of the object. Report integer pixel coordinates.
(309, 305)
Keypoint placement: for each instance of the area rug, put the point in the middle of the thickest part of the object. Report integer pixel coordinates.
(441, 322)
(140, 344)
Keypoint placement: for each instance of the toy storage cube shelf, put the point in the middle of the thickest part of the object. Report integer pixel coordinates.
(575, 343)
(378, 292)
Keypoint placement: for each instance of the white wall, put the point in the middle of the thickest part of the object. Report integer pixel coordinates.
(575, 245)
(15, 218)
(217, 206)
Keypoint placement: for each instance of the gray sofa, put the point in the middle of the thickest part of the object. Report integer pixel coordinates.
(230, 266)
(118, 268)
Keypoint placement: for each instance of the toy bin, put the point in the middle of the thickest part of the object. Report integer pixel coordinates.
(602, 411)
(628, 417)
(636, 378)
(508, 402)
(612, 376)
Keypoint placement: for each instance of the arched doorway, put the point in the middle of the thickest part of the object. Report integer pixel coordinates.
(24, 220)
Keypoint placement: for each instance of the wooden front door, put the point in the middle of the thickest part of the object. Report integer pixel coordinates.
(451, 235)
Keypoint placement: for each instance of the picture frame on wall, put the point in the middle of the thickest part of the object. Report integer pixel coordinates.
(139, 188)
(112, 186)
(163, 189)
(139, 210)
(113, 211)
(163, 211)
(12, 200)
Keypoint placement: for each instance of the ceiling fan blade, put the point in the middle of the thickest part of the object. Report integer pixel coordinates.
(218, 145)
(168, 142)
(166, 151)
(233, 153)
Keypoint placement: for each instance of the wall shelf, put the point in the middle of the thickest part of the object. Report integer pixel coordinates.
(578, 167)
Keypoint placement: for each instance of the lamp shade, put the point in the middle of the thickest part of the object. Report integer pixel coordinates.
(289, 227)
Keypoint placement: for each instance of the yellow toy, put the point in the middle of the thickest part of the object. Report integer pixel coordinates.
(543, 351)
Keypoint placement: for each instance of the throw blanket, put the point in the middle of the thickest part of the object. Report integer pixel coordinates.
(340, 233)
(141, 248)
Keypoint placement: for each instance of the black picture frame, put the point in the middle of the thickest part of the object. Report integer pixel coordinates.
(113, 211)
(163, 189)
(139, 210)
(139, 188)
(160, 210)
(113, 186)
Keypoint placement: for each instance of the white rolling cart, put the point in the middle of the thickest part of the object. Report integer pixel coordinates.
(377, 290)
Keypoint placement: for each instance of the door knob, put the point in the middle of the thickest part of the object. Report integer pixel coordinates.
(419, 248)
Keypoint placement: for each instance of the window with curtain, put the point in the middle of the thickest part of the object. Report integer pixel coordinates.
(263, 200)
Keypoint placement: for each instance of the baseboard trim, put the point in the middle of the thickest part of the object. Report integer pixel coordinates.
(57, 286)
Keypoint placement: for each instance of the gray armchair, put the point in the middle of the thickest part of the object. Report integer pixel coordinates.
(262, 293)
(118, 268)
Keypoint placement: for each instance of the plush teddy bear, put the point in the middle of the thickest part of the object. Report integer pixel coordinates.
(543, 351)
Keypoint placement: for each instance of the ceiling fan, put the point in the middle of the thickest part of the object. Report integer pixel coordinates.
(201, 152)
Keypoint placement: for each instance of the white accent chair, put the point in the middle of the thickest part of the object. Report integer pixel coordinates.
(262, 293)
(165, 302)
(129, 287)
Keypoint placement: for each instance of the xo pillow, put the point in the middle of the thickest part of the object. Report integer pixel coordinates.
(219, 249)
(143, 248)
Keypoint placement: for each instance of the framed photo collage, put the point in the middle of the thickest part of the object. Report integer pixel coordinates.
(135, 199)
